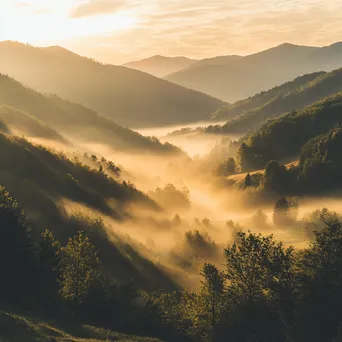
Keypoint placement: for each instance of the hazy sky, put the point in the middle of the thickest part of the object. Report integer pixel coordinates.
(117, 31)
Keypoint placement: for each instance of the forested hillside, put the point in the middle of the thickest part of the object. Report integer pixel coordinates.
(129, 97)
(48, 113)
(282, 138)
(250, 114)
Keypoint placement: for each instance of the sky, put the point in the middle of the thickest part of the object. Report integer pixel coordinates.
(118, 31)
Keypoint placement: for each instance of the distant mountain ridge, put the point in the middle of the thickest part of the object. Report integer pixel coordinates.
(42, 116)
(249, 75)
(161, 66)
(250, 114)
(129, 97)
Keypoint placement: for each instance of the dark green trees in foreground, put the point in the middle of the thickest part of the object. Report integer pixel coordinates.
(268, 292)
(264, 292)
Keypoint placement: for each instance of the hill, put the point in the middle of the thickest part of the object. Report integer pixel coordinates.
(74, 120)
(250, 114)
(252, 74)
(161, 66)
(13, 121)
(282, 139)
(130, 97)
(42, 180)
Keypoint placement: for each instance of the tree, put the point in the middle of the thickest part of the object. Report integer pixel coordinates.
(17, 259)
(79, 268)
(211, 292)
(49, 252)
(322, 282)
(258, 270)
(246, 158)
(259, 220)
(285, 212)
(226, 168)
(275, 178)
(247, 181)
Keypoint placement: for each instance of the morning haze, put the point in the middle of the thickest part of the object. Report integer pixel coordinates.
(171, 171)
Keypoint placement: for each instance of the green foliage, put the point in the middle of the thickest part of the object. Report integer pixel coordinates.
(250, 114)
(226, 168)
(284, 137)
(79, 269)
(17, 259)
(276, 178)
(321, 162)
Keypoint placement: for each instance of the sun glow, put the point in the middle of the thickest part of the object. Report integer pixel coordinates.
(41, 22)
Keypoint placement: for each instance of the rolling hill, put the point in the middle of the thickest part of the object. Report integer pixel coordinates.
(34, 114)
(249, 75)
(43, 180)
(161, 66)
(251, 113)
(130, 97)
(282, 138)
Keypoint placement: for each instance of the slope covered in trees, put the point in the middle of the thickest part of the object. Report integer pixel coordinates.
(72, 119)
(130, 97)
(252, 74)
(250, 114)
(282, 138)
(42, 180)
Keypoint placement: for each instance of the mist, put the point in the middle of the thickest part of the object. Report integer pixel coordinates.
(193, 207)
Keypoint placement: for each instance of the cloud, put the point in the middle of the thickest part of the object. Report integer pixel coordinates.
(96, 7)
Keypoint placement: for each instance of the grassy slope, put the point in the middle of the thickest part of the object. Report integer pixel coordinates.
(75, 120)
(23, 328)
(130, 97)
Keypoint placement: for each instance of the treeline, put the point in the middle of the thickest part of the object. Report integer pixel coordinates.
(318, 170)
(266, 291)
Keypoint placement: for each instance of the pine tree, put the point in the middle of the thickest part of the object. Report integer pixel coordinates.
(79, 268)
(247, 181)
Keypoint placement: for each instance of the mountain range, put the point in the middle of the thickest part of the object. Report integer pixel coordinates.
(251, 113)
(130, 97)
(48, 116)
(161, 66)
(236, 78)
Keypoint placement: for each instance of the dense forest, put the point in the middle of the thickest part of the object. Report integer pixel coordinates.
(282, 139)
